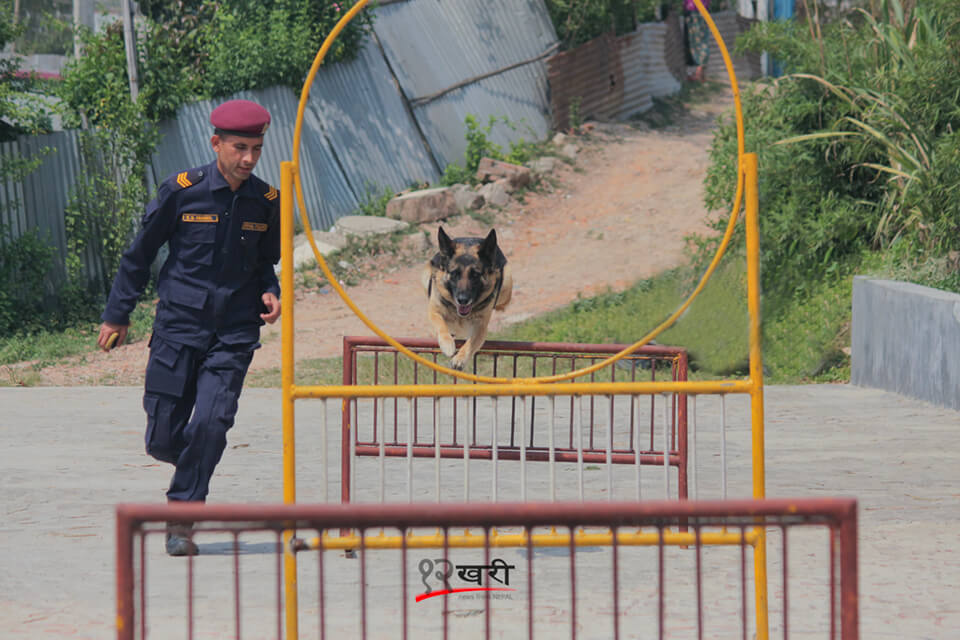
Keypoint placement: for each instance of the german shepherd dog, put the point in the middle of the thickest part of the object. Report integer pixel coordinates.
(465, 281)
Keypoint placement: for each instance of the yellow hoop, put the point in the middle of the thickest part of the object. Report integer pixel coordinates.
(728, 234)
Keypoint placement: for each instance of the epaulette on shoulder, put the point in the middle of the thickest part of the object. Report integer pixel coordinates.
(270, 192)
(187, 178)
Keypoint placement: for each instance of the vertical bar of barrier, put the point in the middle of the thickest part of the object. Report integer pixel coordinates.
(190, 597)
(573, 585)
(436, 449)
(286, 382)
(324, 451)
(699, 563)
(143, 585)
(410, 427)
(523, 448)
(349, 377)
(610, 450)
(666, 448)
(125, 583)
(661, 569)
(616, 587)
(376, 381)
(580, 446)
(553, 453)
(752, 220)
(693, 446)
(528, 531)
(363, 583)
(743, 584)
(723, 447)
(849, 587)
(683, 426)
(533, 401)
(382, 453)
(786, 599)
(236, 585)
(403, 582)
(496, 423)
(396, 401)
(352, 450)
(320, 594)
(466, 459)
(636, 445)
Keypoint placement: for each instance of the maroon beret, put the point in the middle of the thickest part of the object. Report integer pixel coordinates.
(241, 118)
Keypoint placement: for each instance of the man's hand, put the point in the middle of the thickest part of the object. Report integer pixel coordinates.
(107, 330)
(272, 303)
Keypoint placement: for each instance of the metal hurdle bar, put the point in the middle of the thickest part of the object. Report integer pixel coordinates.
(503, 357)
(398, 592)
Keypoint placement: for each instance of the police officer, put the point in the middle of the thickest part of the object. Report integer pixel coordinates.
(216, 289)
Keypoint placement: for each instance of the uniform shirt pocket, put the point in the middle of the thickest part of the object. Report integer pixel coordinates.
(197, 241)
(186, 295)
(250, 235)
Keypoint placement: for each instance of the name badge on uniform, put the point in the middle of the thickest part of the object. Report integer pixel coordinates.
(254, 226)
(201, 217)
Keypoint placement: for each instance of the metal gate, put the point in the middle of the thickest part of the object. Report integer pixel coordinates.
(486, 574)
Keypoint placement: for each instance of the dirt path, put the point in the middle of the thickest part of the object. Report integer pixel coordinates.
(619, 216)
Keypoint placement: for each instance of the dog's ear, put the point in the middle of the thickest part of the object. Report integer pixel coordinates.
(488, 248)
(444, 242)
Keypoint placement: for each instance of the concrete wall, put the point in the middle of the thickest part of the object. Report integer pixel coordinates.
(906, 339)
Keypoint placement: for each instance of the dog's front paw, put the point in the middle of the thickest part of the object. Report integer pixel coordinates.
(447, 346)
(457, 362)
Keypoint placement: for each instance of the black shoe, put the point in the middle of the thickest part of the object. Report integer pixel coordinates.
(178, 542)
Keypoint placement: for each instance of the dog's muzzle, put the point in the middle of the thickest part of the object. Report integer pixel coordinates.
(463, 310)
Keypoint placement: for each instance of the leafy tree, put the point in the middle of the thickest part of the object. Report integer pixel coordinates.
(21, 109)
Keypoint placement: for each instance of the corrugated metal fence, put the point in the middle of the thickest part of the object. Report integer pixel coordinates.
(616, 77)
(395, 115)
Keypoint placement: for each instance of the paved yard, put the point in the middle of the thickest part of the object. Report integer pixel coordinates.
(70, 454)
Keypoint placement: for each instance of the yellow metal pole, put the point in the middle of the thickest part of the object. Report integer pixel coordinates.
(287, 170)
(756, 378)
(519, 389)
(555, 539)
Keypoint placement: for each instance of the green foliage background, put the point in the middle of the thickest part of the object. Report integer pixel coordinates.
(858, 144)
(187, 50)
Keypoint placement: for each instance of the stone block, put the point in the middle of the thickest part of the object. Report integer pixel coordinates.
(417, 243)
(428, 205)
(466, 198)
(368, 225)
(331, 239)
(546, 164)
(494, 193)
(491, 170)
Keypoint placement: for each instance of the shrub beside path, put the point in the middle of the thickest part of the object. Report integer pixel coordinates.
(619, 214)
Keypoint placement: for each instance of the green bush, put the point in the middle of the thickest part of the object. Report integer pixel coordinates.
(115, 148)
(207, 49)
(24, 263)
(479, 146)
(856, 145)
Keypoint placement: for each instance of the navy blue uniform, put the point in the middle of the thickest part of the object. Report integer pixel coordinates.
(223, 245)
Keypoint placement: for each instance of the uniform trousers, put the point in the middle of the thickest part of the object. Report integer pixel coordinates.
(190, 397)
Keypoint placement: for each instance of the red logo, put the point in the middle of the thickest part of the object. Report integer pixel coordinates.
(470, 573)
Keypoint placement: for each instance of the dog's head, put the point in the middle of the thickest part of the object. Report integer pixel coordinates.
(467, 271)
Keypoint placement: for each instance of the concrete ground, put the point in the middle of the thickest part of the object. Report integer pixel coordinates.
(68, 455)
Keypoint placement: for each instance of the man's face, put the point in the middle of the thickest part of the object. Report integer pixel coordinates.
(236, 157)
